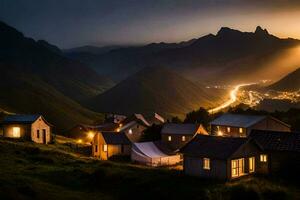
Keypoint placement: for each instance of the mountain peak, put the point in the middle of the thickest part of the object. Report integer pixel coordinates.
(225, 31)
(261, 31)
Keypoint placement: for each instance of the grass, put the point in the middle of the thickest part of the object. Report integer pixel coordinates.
(57, 171)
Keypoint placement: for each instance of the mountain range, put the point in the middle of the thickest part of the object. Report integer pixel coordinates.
(230, 56)
(37, 78)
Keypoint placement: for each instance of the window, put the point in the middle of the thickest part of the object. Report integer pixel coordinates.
(183, 138)
(130, 131)
(16, 132)
(263, 158)
(206, 163)
(38, 134)
(169, 138)
(237, 167)
(251, 164)
(241, 130)
(96, 148)
(105, 147)
(228, 129)
(122, 148)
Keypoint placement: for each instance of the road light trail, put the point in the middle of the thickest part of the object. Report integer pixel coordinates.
(233, 98)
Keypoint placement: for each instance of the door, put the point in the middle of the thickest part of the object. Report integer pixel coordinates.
(44, 136)
(237, 168)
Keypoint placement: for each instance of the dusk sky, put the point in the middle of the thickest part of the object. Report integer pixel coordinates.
(70, 23)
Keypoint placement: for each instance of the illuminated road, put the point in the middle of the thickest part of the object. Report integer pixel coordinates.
(233, 98)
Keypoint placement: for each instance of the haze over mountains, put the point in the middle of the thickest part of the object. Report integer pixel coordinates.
(290, 82)
(36, 78)
(230, 56)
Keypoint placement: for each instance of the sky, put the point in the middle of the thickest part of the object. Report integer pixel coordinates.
(72, 23)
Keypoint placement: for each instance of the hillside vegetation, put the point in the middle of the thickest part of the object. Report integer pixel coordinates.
(32, 171)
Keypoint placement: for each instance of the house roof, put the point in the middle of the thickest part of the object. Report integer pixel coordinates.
(23, 119)
(237, 120)
(277, 141)
(180, 129)
(139, 118)
(115, 138)
(213, 146)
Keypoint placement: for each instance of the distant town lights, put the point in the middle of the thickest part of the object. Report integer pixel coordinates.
(90, 135)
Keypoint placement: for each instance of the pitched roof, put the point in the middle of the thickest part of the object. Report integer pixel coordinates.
(115, 138)
(237, 120)
(180, 129)
(213, 146)
(24, 119)
(139, 118)
(277, 141)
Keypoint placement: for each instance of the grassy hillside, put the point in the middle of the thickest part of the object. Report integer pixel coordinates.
(154, 89)
(32, 171)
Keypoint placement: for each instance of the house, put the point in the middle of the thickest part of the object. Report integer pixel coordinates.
(114, 118)
(155, 119)
(30, 127)
(236, 125)
(134, 127)
(108, 144)
(177, 135)
(224, 158)
(153, 154)
(281, 151)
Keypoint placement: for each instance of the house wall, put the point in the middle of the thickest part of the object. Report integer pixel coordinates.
(40, 125)
(176, 141)
(194, 166)
(270, 124)
(25, 130)
(234, 131)
(111, 149)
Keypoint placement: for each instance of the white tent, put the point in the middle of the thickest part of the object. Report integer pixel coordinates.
(147, 153)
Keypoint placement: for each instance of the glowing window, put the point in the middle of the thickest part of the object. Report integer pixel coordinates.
(130, 131)
(183, 138)
(241, 130)
(206, 163)
(263, 158)
(169, 138)
(105, 148)
(228, 130)
(251, 164)
(237, 167)
(16, 132)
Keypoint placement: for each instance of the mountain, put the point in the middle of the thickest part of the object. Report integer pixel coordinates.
(230, 56)
(37, 78)
(153, 89)
(91, 49)
(290, 82)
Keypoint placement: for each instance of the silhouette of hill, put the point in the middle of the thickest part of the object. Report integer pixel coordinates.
(153, 89)
(36, 78)
(290, 82)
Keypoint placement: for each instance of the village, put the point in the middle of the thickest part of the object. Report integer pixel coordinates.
(232, 147)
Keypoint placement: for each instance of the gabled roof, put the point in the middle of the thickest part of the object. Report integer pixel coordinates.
(213, 146)
(180, 129)
(22, 119)
(277, 141)
(139, 118)
(115, 138)
(237, 120)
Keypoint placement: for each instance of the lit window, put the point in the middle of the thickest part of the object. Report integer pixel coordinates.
(241, 130)
(16, 132)
(169, 138)
(237, 167)
(206, 163)
(263, 158)
(105, 148)
(228, 129)
(38, 134)
(220, 133)
(251, 164)
(96, 148)
(183, 138)
(130, 131)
